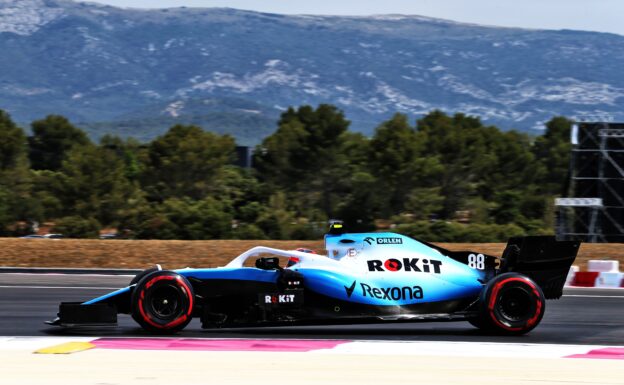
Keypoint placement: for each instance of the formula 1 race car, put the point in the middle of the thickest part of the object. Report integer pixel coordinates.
(364, 278)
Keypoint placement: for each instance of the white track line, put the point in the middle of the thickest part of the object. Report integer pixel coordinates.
(34, 343)
(376, 348)
(460, 349)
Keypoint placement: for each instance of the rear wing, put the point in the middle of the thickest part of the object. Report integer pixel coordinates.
(542, 258)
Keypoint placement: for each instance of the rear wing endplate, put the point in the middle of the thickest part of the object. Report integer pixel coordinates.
(542, 258)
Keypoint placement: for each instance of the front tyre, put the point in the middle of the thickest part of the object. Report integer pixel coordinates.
(145, 272)
(511, 304)
(162, 302)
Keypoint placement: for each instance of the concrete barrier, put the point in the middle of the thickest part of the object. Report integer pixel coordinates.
(602, 266)
(609, 279)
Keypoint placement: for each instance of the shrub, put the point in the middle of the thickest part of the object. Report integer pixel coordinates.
(78, 227)
(441, 231)
(247, 231)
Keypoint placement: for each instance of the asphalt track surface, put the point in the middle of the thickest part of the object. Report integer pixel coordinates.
(581, 316)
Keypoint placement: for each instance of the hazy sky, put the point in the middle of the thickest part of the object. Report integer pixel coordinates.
(591, 15)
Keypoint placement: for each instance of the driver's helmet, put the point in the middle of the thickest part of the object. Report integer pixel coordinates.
(295, 260)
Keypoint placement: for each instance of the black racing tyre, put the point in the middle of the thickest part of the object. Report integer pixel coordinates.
(511, 304)
(163, 302)
(142, 274)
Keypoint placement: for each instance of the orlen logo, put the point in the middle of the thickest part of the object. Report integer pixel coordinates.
(384, 240)
(407, 264)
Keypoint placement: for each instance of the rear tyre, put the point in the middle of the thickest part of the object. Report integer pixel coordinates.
(510, 304)
(162, 302)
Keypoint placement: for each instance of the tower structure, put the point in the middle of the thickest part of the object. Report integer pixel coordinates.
(594, 211)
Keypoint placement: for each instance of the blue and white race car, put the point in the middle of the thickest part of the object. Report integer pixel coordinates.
(364, 278)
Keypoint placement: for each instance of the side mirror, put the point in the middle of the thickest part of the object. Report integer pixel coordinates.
(271, 263)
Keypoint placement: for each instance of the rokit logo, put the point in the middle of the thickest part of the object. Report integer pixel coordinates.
(280, 298)
(407, 264)
(384, 240)
(387, 293)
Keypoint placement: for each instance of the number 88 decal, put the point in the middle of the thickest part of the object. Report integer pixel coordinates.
(476, 261)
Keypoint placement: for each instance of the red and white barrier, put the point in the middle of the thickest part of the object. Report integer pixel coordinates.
(585, 279)
(599, 273)
(571, 274)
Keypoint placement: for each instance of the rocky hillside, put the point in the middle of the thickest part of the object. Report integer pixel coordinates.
(136, 71)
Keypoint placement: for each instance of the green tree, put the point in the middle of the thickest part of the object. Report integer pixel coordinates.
(423, 202)
(460, 142)
(239, 189)
(52, 139)
(357, 199)
(508, 210)
(247, 231)
(186, 162)
(300, 158)
(184, 218)
(78, 227)
(277, 220)
(182, 185)
(481, 164)
(511, 164)
(6, 217)
(15, 202)
(47, 190)
(12, 145)
(129, 150)
(401, 164)
(552, 151)
(304, 142)
(94, 184)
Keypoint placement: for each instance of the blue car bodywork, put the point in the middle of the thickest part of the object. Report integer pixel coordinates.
(365, 277)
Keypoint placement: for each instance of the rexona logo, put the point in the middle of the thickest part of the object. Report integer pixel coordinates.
(280, 298)
(384, 240)
(387, 293)
(406, 264)
(392, 293)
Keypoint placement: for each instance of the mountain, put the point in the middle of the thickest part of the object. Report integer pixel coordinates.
(246, 120)
(235, 71)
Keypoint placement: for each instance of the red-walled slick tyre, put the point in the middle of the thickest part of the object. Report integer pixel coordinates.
(145, 272)
(511, 303)
(163, 302)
